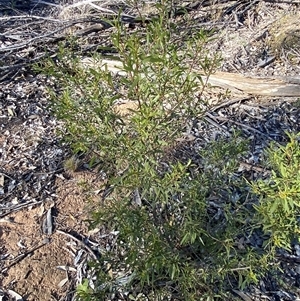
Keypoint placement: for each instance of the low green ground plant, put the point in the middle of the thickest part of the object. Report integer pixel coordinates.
(279, 206)
(181, 224)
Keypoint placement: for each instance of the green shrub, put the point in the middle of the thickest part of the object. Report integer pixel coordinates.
(181, 223)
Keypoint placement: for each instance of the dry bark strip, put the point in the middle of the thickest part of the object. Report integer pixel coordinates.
(256, 85)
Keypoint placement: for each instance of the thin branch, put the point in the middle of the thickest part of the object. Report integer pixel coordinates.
(22, 256)
(29, 17)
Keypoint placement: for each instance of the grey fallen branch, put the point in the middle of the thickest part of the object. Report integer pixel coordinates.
(258, 86)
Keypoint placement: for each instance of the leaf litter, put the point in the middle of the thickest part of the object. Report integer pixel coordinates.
(55, 245)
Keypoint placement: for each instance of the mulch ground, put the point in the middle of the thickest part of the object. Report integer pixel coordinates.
(45, 242)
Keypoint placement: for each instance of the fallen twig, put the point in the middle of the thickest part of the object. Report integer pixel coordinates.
(22, 256)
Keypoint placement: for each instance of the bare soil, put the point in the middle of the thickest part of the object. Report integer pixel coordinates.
(38, 275)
